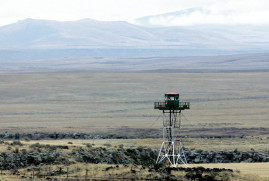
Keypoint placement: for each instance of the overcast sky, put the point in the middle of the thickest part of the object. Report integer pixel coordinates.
(214, 11)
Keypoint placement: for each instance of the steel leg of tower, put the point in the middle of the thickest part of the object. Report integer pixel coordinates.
(173, 152)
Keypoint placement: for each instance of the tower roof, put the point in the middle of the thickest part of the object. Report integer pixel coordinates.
(172, 93)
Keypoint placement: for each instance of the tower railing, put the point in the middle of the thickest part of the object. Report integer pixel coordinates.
(163, 106)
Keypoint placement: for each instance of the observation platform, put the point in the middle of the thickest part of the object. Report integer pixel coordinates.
(171, 106)
(171, 102)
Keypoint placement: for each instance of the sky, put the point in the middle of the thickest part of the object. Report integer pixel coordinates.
(210, 11)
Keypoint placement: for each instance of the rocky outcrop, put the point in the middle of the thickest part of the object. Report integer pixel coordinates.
(144, 156)
(23, 159)
(45, 154)
(138, 156)
(232, 156)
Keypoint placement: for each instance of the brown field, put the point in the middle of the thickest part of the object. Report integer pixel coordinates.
(222, 104)
(197, 143)
(253, 171)
(94, 102)
(242, 171)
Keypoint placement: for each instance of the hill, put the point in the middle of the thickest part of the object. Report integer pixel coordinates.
(92, 34)
(97, 45)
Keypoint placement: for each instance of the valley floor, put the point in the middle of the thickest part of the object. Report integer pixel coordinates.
(254, 171)
(229, 111)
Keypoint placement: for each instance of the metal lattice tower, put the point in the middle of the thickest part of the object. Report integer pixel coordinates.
(171, 150)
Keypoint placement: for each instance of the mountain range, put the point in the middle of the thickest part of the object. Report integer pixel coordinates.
(33, 40)
(88, 34)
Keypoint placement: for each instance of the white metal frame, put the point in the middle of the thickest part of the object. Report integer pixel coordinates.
(171, 149)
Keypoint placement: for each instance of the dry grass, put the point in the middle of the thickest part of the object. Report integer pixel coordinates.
(253, 171)
(94, 171)
(258, 143)
(94, 102)
(242, 171)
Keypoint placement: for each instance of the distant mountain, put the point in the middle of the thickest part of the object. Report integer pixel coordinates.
(91, 34)
(100, 44)
(87, 33)
(44, 34)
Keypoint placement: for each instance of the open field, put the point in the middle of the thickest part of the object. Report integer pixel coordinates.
(243, 171)
(247, 143)
(122, 103)
(254, 171)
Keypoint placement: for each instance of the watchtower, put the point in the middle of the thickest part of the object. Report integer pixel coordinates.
(171, 149)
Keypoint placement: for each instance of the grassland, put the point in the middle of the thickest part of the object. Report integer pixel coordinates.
(246, 143)
(222, 104)
(253, 171)
(110, 102)
(250, 171)
(81, 171)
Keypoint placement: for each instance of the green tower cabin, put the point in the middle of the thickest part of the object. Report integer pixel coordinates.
(171, 102)
(171, 150)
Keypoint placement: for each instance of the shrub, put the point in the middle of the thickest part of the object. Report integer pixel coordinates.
(155, 166)
(36, 145)
(16, 143)
(107, 145)
(17, 136)
(24, 151)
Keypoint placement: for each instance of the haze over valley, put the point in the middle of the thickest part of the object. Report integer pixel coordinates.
(33, 45)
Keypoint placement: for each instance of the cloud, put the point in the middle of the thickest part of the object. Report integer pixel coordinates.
(222, 12)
